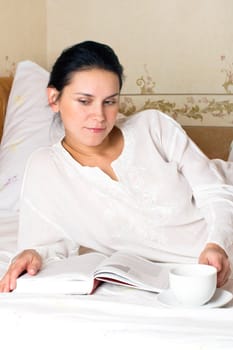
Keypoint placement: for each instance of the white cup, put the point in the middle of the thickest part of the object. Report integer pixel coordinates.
(193, 285)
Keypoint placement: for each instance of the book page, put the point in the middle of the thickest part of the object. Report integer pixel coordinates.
(135, 271)
(74, 267)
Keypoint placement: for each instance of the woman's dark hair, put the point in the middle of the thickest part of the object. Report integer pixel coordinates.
(84, 56)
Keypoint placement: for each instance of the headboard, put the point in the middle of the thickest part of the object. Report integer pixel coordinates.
(5, 86)
(214, 141)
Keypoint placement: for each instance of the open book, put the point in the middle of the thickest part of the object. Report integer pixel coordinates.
(81, 274)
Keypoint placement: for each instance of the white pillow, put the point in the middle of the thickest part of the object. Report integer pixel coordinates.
(27, 126)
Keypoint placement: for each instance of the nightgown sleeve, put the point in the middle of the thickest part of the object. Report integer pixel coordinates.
(211, 192)
(38, 228)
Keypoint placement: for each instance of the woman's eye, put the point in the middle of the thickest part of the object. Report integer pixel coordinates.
(109, 102)
(83, 102)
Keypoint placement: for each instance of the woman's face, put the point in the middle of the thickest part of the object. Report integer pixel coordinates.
(88, 106)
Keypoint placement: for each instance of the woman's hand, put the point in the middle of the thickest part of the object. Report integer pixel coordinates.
(214, 255)
(28, 261)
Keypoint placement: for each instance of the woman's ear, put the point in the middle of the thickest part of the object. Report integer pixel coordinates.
(53, 94)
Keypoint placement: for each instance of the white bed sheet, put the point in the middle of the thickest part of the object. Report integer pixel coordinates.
(113, 318)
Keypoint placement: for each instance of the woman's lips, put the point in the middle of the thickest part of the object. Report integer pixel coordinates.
(96, 130)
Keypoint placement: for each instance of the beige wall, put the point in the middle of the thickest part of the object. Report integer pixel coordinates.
(180, 41)
(23, 32)
(177, 54)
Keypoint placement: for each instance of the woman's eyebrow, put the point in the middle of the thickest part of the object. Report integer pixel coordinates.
(90, 95)
(114, 95)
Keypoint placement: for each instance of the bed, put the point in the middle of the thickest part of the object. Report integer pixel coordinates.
(113, 316)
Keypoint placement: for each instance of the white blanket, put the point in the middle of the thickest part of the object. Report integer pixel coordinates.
(113, 318)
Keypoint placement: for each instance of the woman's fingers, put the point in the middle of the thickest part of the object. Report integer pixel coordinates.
(216, 256)
(224, 273)
(27, 261)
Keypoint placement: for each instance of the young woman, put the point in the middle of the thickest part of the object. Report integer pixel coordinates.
(137, 184)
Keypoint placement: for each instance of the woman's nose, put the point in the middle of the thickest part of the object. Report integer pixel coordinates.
(98, 112)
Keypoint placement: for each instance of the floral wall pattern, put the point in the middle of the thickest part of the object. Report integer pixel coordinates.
(186, 108)
(228, 72)
(9, 67)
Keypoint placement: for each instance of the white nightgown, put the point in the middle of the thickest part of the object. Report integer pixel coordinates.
(168, 202)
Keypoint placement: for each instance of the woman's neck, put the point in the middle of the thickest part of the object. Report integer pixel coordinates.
(108, 151)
